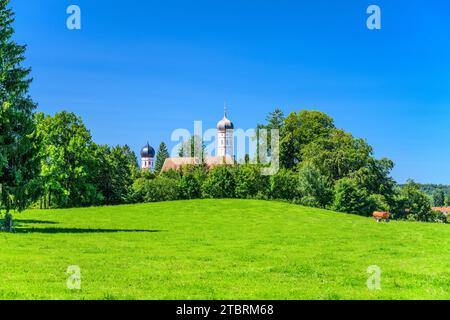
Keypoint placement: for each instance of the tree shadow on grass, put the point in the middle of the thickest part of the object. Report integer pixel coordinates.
(82, 230)
(20, 222)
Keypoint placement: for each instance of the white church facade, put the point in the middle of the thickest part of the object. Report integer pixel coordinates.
(224, 151)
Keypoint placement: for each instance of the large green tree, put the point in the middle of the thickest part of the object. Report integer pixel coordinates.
(115, 171)
(413, 204)
(161, 156)
(68, 161)
(300, 129)
(19, 163)
(338, 155)
(438, 198)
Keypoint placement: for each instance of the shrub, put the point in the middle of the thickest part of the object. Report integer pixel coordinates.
(220, 183)
(249, 182)
(191, 182)
(314, 187)
(349, 198)
(161, 189)
(413, 204)
(283, 185)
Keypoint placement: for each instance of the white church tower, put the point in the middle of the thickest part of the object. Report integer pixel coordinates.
(147, 157)
(225, 138)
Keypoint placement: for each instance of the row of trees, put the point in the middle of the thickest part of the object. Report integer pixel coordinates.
(321, 166)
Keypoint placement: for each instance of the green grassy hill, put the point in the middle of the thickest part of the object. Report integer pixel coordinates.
(221, 249)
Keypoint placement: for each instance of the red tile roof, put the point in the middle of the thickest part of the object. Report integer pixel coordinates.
(442, 209)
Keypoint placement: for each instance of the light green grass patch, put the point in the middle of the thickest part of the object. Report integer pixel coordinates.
(221, 249)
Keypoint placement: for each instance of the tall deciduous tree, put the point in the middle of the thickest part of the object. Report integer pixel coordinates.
(161, 156)
(19, 164)
(115, 170)
(438, 198)
(300, 129)
(68, 161)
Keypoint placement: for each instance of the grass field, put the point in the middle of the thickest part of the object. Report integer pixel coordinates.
(221, 249)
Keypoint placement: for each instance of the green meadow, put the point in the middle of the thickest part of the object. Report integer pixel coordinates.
(221, 249)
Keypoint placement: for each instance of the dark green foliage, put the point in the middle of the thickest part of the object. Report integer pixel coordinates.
(300, 129)
(115, 169)
(438, 198)
(68, 161)
(161, 156)
(349, 198)
(220, 183)
(413, 204)
(283, 185)
(191, 182)
(19, 162)
(172, 174)
(161, 189)
(314, 188)
(338, 155)
(249, 182)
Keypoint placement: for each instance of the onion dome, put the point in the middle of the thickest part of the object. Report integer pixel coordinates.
(147, 151)
(225, 124)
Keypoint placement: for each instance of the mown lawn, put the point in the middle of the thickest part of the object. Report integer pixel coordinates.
(221, 249)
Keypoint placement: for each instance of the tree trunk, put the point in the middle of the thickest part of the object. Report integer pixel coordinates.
(8, 223)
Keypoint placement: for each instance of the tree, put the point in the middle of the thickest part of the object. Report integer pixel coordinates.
(191, 181)
(19, 163)
(413, 204)
(439, 198)
(249, 182)
(161, 156)
(349, 198)
(447, 200)
(274, 122)
(161, 189)
(338, 155)
(68, 161)
(115, 171)
(300, 129)
(283, 185)
(314, 188)
(194, 147)
(220, 183)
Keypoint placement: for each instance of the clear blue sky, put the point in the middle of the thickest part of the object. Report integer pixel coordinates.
(137, 71)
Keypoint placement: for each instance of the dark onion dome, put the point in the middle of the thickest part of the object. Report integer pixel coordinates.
(148, 151)
(225, 124)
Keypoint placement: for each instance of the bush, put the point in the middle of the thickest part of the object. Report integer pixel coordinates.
(413, 204)
(283, 185)
(313, 187)
(161, 189)
(249, 182)
(349, 198)
(191, 182)
(220, 183)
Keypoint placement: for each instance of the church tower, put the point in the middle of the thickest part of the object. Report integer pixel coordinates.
(225, 138)
(147, 157)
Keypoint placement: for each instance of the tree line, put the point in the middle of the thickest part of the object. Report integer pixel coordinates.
(321, 166)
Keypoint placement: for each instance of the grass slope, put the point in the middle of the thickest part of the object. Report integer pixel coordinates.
(221, 249)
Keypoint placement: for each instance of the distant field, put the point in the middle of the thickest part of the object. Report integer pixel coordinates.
(221, 249)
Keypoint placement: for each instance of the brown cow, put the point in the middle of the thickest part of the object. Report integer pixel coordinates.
(381, 216)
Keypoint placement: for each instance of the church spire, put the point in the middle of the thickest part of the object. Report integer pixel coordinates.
(225, 109)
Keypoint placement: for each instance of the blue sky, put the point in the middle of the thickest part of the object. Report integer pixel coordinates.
(137, 71)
